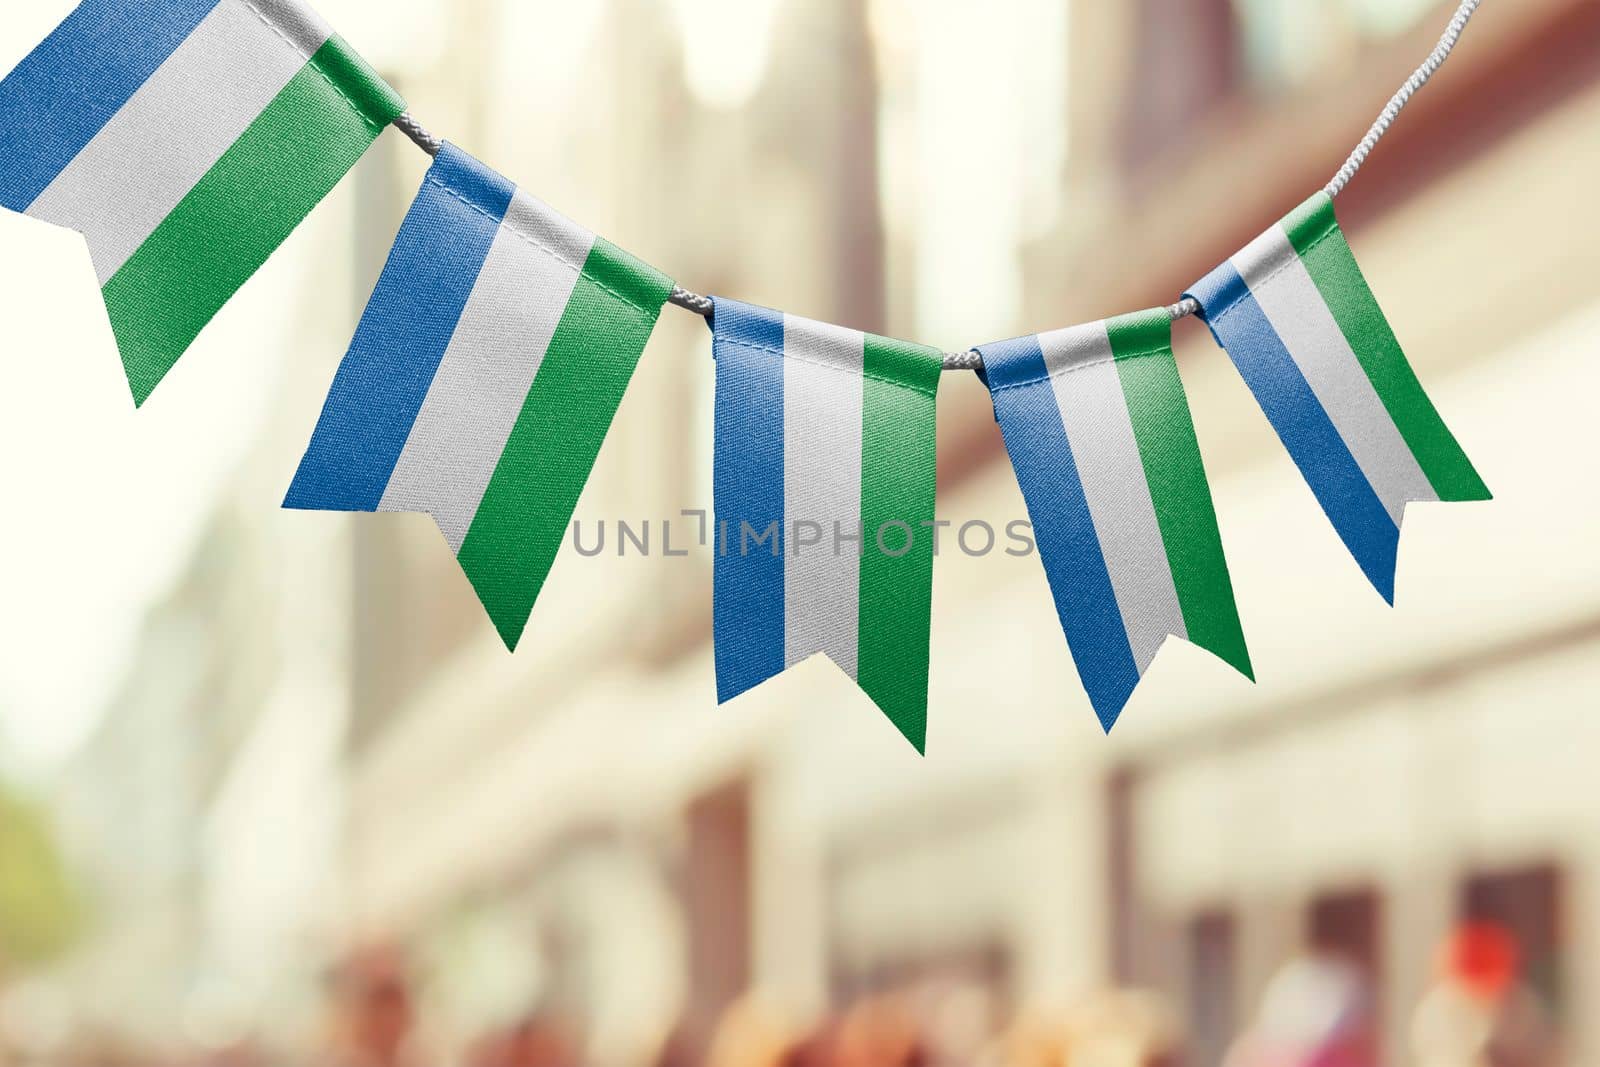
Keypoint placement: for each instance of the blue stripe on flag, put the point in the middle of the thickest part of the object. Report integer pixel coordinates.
(1036, 438)
(69, 87)
(403, 335)
(748, 603)
(1325, 461)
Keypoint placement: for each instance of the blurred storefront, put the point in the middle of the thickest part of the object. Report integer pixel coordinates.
(322, 748)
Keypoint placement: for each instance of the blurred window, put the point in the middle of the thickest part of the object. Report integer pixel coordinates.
(1211, 51)
(1349, 925)
(1122, 876)
(1212, 981)
(726, 46)
(1288, 41)
(1527, 903)
(1387, 17)
(716, 888)
(1180, 73)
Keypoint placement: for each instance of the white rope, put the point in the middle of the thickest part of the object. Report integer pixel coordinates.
(421, 137)
(1397, 103)
(972, 360)
(1184, 308)
(700, 305)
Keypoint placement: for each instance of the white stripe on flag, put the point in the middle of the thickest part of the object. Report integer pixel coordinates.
(483, 380)
(551, 231)
(822, 401)
(1288, 296)
(174, 129)
(1095, 413)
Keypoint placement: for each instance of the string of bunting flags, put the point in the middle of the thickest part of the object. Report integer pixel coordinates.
(186, 139)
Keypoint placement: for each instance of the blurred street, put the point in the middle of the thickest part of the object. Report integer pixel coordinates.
(273, 793)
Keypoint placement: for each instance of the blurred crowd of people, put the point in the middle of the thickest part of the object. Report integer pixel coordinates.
(1319, 1011)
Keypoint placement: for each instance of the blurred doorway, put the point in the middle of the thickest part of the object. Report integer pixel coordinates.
(1527, 903)
(716, 896)
(1348, 925)
(1213, 980)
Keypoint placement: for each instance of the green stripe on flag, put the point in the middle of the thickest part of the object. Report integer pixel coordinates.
(1170, 453)
(522, 520)
(1314, 231)
(284, 164)
(899, 465)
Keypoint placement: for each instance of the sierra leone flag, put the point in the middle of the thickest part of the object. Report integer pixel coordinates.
(185, 139)
(824, 491)
(1300, 323)
(1098, 430)
(483, 378)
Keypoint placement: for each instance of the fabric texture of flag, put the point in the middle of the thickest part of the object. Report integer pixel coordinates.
(1098, 429)
(483, 379)
(185, 139)
(1297, 318)
(824, 491)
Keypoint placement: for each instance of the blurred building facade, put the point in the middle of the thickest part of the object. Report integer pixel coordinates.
(355, 760)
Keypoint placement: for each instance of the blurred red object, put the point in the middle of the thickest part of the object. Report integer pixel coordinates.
(1483, 958)
(535, 1042)
(373, 1007)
